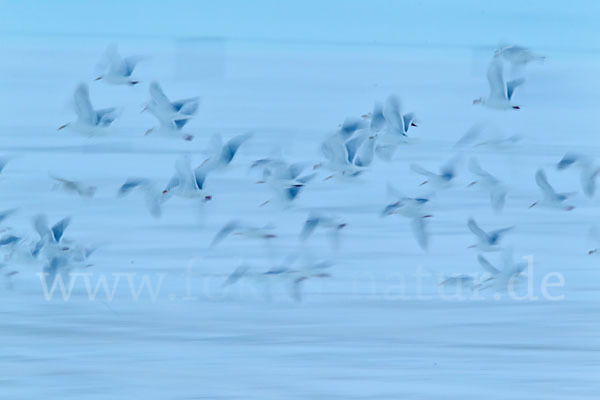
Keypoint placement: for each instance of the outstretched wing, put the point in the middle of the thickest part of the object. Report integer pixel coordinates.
(496, 80)
(512, 85)
(159, 96)
(83, 106)
(487, 265)
(542, 182)
(477, 231)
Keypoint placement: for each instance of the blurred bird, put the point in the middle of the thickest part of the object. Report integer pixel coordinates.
(74, 187)
(551, 199)
(508, 275)
(487, 241)
(440, 181)
(152, 196)
(490, 184)
(285, 179)
(331, 224)
(172, 115)
(236, 227)
(118, 69)
(49, 243)
(501, 92)
(89, 121)
(588, 171)
(187, 182)
(415, 209)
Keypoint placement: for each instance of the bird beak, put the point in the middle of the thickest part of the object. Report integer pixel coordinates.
(413, 124)
(471, 184)
(533, 204)
(260, 181)
(592, 251)
(62, 127)
(148, 131)
(427, 216)
(516, 107)
(132, 83)
(98, 78)
(165, 191)
(423, 183)
(207, 198)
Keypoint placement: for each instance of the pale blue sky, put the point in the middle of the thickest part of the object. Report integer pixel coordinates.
(543, 24)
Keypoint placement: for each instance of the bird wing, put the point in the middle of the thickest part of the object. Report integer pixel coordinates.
(59, 228)
(419, 231)
(542, 182)
(422, 171)
(200, 176)
(83, 106)
(106, 116)
(512, 85)
(487, 265)
(477, 231)
(224, 232)
(159, 97)
(335, 151)
(496, 80)
(309, 226)
(377, 118)
(231, 147)
(498, 198)
(352, 146)
(186, 106)
(393, 114)
(366, 153)
(408, 119)
(349, 126)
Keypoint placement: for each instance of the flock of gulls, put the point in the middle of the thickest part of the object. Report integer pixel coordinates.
(355, 145)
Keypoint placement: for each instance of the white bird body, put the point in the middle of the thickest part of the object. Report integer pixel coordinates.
(501, 92)
(89, 121)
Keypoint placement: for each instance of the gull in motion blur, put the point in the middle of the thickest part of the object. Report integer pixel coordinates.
(236, 227)
(480, 135)
(391, 125)
(224, 153)
(588, 171)
(152, 196)
(331, 224)
(441, 180)
(490, 184)
(118, 69)
(551, 199)
(187, 182)
(487, 241)
(285, 179)
(501, 92)
(415, 209)
(74, 187)
(507, 275)
(89, 121)
(172, 115)
(349, 151)
(293, 271)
